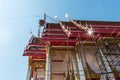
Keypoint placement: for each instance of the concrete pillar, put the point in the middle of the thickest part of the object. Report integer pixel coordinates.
(29, 73)
(34, 76)
(75, 67)
(48, 65)
(80, 68)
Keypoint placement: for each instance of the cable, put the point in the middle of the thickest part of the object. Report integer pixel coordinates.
(51, 18)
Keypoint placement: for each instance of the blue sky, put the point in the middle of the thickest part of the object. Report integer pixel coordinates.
(18, 17)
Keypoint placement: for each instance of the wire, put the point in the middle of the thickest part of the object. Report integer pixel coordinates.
(52, 19)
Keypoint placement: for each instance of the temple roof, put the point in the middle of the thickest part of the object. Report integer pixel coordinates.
(53, 31)
(54, 34)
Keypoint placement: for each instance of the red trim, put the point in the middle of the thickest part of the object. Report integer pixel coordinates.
(35, 55)
(58, 40)
(96, 30)
(35, 51)
(58, 28)
(42, 45)
(106, 25)
(57, 32)
(54, 37)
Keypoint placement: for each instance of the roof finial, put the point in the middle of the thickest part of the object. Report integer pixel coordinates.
(66, 30)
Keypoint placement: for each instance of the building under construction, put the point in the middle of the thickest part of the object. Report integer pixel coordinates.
(74, 50)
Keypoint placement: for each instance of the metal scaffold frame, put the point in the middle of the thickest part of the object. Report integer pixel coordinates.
(110, 49)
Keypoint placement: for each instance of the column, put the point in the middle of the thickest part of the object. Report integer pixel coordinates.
(48, 65)
(75, 67)
(29, 73)
(34, 76)
(80, 68)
